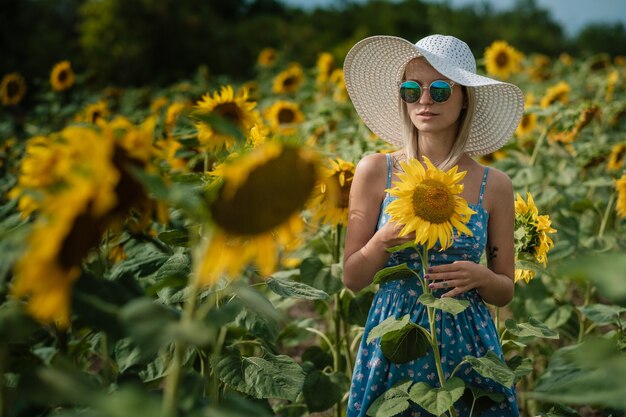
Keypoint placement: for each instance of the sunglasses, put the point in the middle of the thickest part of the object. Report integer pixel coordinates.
(439, 91)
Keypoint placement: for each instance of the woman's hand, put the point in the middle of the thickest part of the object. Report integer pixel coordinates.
(459, 276)
(389, 235)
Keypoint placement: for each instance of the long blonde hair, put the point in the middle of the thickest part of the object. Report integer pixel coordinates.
(410, 134)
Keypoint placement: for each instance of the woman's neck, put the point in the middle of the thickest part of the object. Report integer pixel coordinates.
(434, 147)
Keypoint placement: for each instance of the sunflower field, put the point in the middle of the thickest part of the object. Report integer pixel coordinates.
(177, 251)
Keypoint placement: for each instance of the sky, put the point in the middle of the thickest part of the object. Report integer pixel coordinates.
(572, 15)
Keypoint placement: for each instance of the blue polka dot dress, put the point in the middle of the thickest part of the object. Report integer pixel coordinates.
(472, 332)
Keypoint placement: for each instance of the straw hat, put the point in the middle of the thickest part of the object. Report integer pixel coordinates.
(373, 70)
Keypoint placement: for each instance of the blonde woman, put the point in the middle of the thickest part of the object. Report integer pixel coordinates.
(426, 99)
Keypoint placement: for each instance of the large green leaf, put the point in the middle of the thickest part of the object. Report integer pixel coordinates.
(268, 377)
(177, 266)
(148, 323)
(491, 366)
(355, 309)
(320, 392)
(388, 325)
(258, 325)
(520, 366)
(447, 304)
(235, 405)
(394, 273)
(288, 288)
(315, 273)
(534, 328)
(318, 357)
(405, 344)
(603, 314)
(393, 402)
(437, 400)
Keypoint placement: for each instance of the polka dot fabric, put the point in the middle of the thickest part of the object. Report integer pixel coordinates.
(471, 332)
(373, 70)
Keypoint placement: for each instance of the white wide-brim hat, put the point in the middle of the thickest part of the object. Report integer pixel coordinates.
(373, 70)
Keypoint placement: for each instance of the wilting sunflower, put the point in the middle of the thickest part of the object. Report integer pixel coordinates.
(616, 158)
(225, 106)
(330, 200)
(289, 80)
(558, 92)
(429, 203)
(267, 57)
(12, 89)
(531, 235)
(526, 125)
(284, 117)
(62, 76)
(502, 60)
(620, 185)
(257, 208)
(325, 65)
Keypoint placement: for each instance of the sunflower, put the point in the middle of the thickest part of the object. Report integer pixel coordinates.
(539, 70)
(173, 113)
(502, 60)
(492, 157)
(257, 208)
(616, 158)
(12, 89)
(330, 201)
(284, 116)
(236, 110)
(558, 92)
(611, 82)
(325, 65)
(531, 234)
(289, 80)
(93, 113)
(566, 59)
(429, 204)
(620, 185)
(62, 76)
(258, 135)
(267, 57)
(158, 104)
(340, 95)
(526, 125)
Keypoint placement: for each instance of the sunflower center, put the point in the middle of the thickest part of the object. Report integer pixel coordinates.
(271, 194)
(502, 59)
(229, 111)
(63, 75)
(286, 116)
(289, 82)
(525, 121)
(433, 201)
(13, 88)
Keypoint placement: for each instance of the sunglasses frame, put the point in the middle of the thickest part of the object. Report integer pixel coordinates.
(423, 88)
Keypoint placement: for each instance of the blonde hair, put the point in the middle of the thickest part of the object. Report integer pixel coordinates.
(410, 134)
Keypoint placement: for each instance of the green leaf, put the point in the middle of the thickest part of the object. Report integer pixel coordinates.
(148, 323)
(174, 237)
(398, 248)
(145, 262)
(268, 377)
(393, 402)
(15, 325)
(315, 273)
(447, 304)
(603, 314)
(491, 366)
(355, 310)
(320, 392)
(288, 288)
(406, 344)
(177, 266)
(236, 405)
(437, 400)
(393, 273)
(318, 357)
(534, 328)
(520, 366)
(258, 325)
(388, 325)
(477, 393)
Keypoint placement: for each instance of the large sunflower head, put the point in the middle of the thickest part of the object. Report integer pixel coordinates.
(62, 76)
(531, 233)
(12, 89)
(556, 93)
(289, 80)
(257, 208)
(222, 116)
(429, 203)
(332, 194)
(284, 117)
(502, 60)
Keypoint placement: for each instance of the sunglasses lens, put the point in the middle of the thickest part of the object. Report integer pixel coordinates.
(440, 91)
(410, 91)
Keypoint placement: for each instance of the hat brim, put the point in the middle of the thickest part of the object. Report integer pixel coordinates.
(374, 68)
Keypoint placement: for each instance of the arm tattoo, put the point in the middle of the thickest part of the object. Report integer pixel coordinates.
(491, 253)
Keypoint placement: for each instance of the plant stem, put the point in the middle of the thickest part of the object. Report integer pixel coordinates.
(538, 145)
(605, 218)
(497, 319)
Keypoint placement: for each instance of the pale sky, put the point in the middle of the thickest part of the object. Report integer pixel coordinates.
(572, 15)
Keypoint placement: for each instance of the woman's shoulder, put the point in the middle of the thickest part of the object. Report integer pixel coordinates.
(372, 165)
(498, 180)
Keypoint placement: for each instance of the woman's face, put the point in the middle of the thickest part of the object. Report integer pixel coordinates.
(427, 115)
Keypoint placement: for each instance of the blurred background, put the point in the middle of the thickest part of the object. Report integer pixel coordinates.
(148, 42)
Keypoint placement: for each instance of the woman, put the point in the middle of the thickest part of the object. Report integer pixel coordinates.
(427, 99)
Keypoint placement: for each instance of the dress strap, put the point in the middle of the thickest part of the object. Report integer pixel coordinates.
(388, 171)
(482, 187)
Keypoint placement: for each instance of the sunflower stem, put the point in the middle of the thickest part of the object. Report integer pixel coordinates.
(607, 213)
(539, 145)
